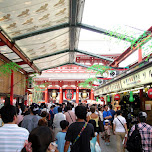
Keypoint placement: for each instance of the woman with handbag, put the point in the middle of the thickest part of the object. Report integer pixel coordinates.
(94, 142)
(120, 129)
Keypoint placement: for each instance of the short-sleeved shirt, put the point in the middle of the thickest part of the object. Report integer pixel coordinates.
(145, 131)
(70, 116)
(61, 141)
(12, 138)
(118, 126)
(83, 143)
(30, 122)
(105, 114)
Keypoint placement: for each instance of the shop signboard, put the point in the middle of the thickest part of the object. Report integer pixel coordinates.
(109, 88)
(139, 78)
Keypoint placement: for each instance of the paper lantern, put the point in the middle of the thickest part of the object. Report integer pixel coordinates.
(84, 94)
(131, 98)
(69, 94)
(97, 99)
(150, 93)
(108, 98)
(54, 94)
(102, 98)
(117, 97)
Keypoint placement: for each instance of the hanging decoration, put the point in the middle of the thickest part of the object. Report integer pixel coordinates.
(108, 98)
(102, 98)
(117, 97)
(54, 94)
(150, 93)
(131, 98)
(84, 94)
(69, 94)
(97, 99)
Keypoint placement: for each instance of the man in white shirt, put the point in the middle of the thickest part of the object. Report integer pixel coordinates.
(12, 137)
(57, 119)
(120, 129)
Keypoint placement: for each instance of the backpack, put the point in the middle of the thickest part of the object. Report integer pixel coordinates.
(134, 141)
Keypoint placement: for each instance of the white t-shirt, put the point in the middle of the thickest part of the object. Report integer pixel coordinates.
(101, 115)
(118, 126)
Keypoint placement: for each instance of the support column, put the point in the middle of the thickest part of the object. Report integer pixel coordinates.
(12, 84)
(142, 103)
(26, 92)
(61, 96)
(92, 94)
(46, 95)
(139, 55)
(77, 94)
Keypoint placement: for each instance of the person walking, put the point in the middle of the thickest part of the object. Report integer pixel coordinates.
(70, 115)
(12, 137)
(145, 131)
(120, 129)
(95, 117)
(79, 133)
(57, 119)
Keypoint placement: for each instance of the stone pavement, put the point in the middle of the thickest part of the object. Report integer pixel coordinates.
(111, 147)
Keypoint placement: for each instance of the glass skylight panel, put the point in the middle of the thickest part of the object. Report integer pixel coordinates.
(101, 44)
(131, 59)
(127, 17)
(147, 49)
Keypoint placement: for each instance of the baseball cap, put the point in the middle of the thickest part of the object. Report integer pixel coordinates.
(142, 114)
(106, 121)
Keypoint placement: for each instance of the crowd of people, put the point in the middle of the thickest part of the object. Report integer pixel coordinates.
(66, 127)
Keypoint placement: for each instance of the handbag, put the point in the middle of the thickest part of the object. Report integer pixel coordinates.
(97, 147)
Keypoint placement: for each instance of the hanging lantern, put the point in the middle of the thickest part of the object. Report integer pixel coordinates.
(146, 90)
(125, 93)
(97, 99)
(108, 98)
(117, 97)
(150, 93)
(131, 98)
(102, 98)
(54, 94)
(84, 94)
(69, 94)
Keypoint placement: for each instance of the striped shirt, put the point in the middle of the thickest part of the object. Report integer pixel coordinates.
(12, 138)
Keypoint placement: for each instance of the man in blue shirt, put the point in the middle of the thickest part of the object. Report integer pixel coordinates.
(106, 114)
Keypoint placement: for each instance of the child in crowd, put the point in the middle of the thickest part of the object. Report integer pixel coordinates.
(61, 135)
(107, 132)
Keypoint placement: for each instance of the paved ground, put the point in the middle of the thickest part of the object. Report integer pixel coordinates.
(111, 147)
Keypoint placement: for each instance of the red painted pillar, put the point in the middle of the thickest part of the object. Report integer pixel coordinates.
(12, 84)
(61, 96)
(77, 94)
(139, 55)
(46, 95)
(92, 94)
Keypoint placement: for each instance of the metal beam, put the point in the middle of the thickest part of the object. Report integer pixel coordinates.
(106, 32)
(49, 55)
(5, 59)
(82, 65)
(141, 41)
(42, 31)
(18, 52)
(55, 66)
(94, 55)
(21, 63)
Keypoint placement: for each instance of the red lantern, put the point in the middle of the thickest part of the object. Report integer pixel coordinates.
(117, 97)
(102, 98)
(150, 93)
(69, 94)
